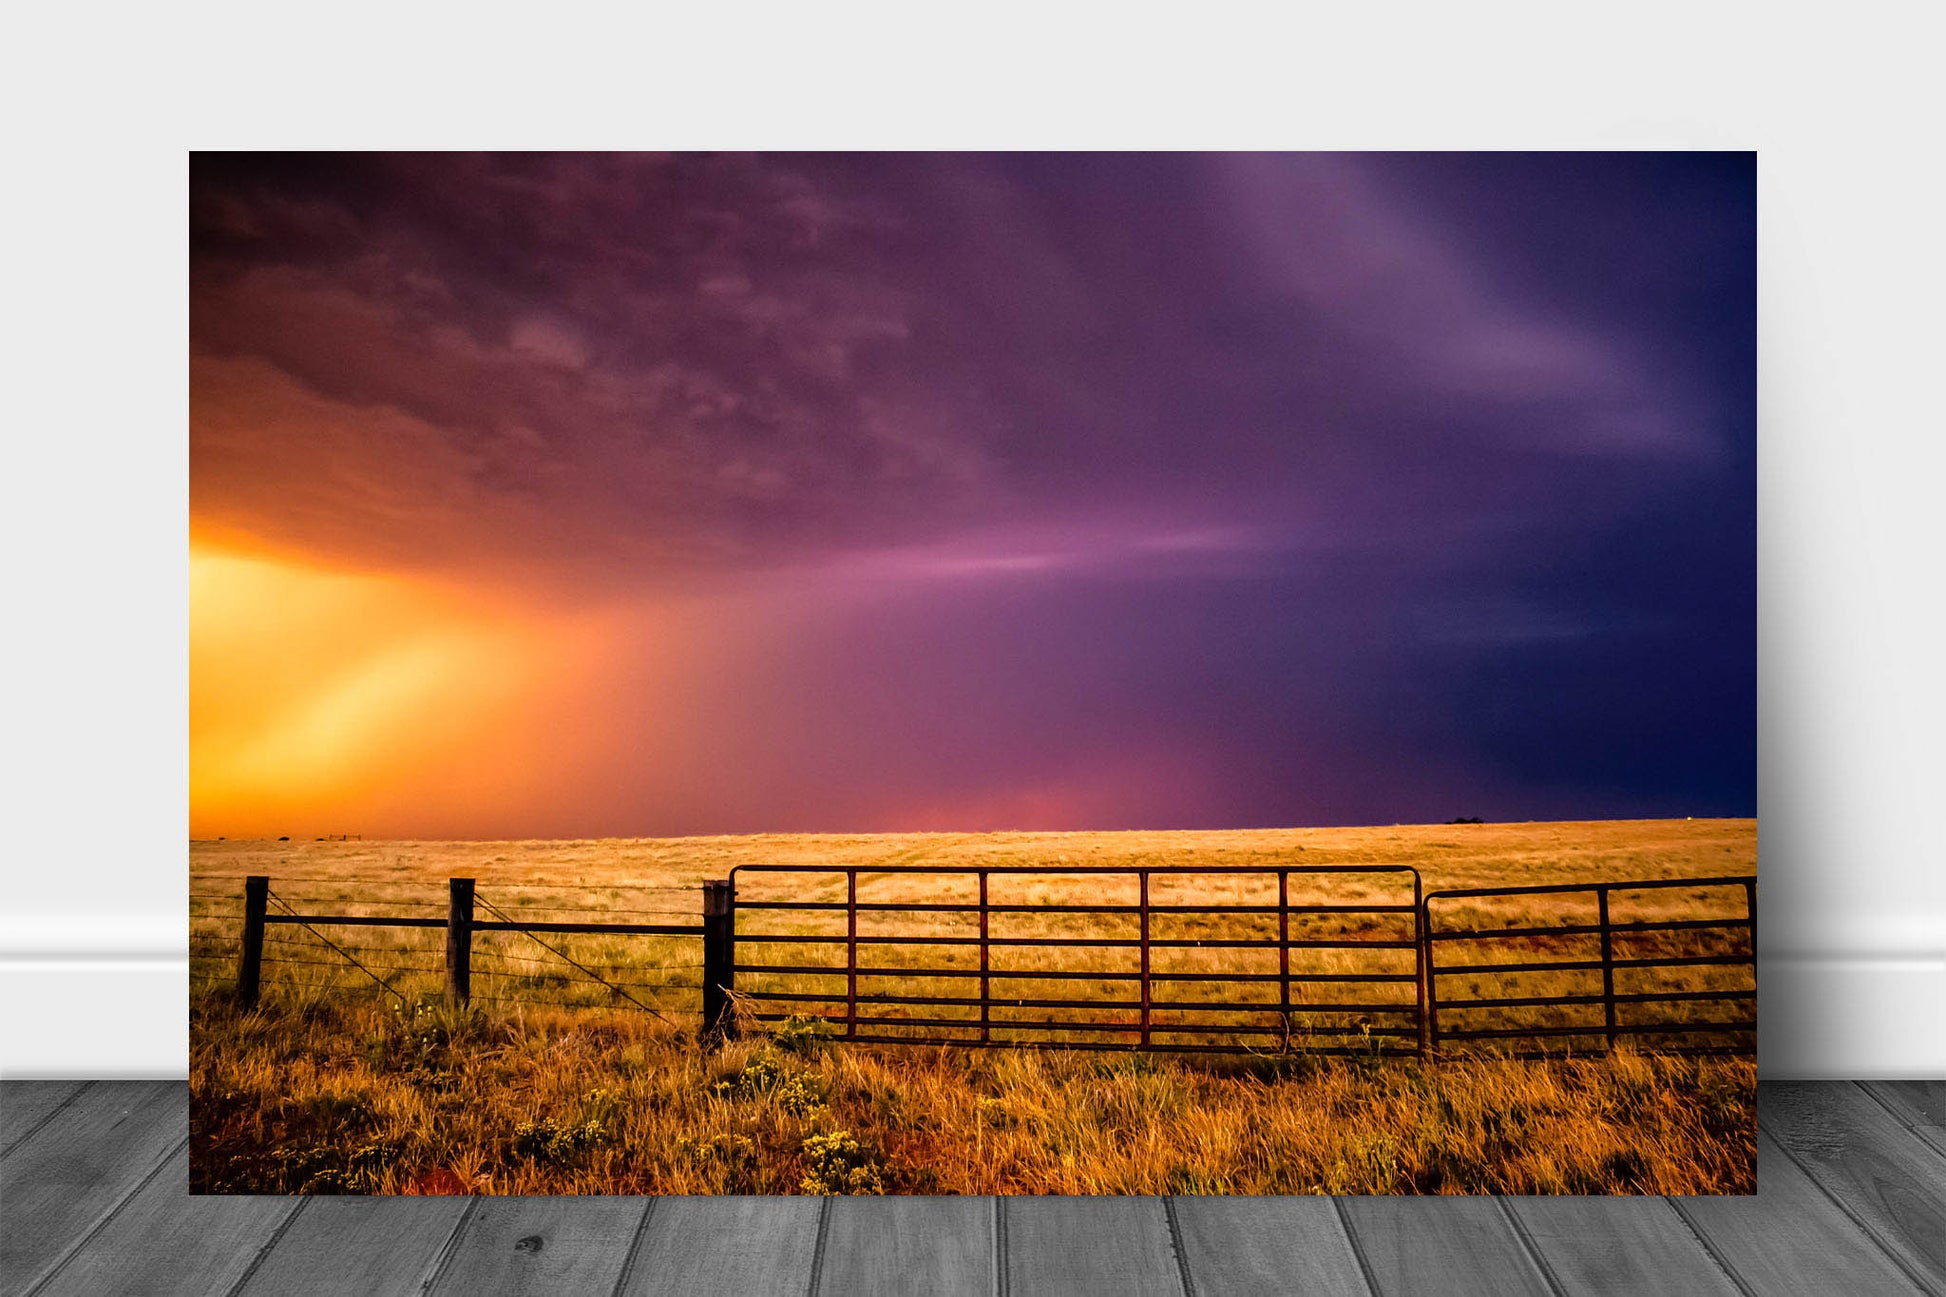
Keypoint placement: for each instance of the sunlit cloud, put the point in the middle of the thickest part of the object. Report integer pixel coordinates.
(1133, 550)
(577, 495)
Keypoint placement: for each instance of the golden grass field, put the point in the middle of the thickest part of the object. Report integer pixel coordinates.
(544, 1086)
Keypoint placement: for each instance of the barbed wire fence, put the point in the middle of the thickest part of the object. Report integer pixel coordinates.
(347, 952)
(582, 970)
(618, 989)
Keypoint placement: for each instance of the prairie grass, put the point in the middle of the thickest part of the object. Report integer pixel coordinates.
(554, 1082)
(345, 1094)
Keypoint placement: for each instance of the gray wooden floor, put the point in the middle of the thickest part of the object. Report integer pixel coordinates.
(92, 1186)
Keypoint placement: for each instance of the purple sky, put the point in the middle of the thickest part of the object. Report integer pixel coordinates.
(1022, 491)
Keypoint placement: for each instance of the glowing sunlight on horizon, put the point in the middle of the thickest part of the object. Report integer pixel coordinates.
(326, 694)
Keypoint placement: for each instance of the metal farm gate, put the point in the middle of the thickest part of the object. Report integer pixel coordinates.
(1203, 959)
(1643, 974)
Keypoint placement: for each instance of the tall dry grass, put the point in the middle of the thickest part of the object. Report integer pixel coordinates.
(334, 1086)
(345, 1094)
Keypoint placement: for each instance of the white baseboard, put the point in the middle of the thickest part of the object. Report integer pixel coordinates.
(1825, 1017)
(94, 1018)
(94, 995)
(1822, 1016)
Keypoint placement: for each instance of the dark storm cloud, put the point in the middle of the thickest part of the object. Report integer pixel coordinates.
(740, 357)
(668, 351)
(1440, 464)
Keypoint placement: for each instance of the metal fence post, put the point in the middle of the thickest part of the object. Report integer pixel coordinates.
(1145, 958)
(1428, 978)
(719, 957)
(1607, 968)
(1750, 911)
(249, 973)
(1284, 946)
(459, 941)
(1422, 958)
(986, 1000)
(851, 954)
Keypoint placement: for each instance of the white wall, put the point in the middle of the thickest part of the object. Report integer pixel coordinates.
(93, 499)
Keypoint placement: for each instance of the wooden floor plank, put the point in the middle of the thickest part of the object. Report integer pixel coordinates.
(377, 1247)
(892, 1246)
(165, 1242)
(1619, 1245)
(1457, 1247)
(1248, 1246)
(68, 1175)
(542, 1246)
(1076, 1245)
(25, 1104)
(1788, 1238)
(1877, 1169)
(702, 1247)
(1920, 1105)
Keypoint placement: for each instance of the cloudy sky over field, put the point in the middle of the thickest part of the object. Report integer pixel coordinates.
(575, 496)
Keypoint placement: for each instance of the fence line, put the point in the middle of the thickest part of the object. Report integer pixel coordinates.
(1151, 1013)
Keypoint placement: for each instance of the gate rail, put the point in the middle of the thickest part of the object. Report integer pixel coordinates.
(1402, 1019)
(1606, 930)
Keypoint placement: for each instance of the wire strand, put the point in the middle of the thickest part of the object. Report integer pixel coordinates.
(595, 887)
(332, 963)
(589, 909)
(327, 941)
(564, 979)
(492, 908)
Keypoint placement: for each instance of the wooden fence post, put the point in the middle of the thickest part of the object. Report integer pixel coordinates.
(459, 941)
(249, 973)
(719, 957)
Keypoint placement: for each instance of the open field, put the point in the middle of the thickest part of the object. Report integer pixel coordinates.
(333, 1084)
(1448, 855)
